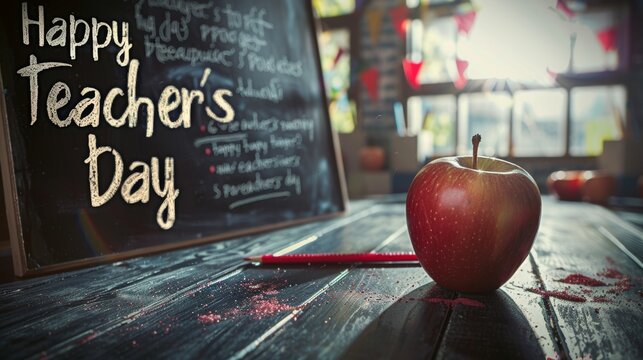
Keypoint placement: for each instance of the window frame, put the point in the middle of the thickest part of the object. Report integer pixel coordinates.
(565, 81)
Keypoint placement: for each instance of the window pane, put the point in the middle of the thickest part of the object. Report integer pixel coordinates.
(326, 8)
(486, 114)
(597, 114)
(432, 119)
(517, 40)
(433, 40)
(589, 55)
(539, 122)
(334, 48)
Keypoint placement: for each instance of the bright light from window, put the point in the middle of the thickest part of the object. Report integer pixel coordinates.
(488, 114)
(516, 40)
(539, 122)
(597, 114)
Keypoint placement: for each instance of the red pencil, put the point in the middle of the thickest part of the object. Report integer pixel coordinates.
(332, 258)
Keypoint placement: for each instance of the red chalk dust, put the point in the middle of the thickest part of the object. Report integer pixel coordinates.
(580, 279)
(621, 286)
(209, 318)
(601, 299)
(563, 295)
(611, 273)
(456, 301)
(268, 307)
(258, 306)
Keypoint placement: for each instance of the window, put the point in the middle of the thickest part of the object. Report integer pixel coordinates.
(539, 80)
(432, 119)
(539, 122)
(334, 47)
(328, 8)
(338, 19)
(488, 114)
(589, 54)
(597, 114)
(434, 41)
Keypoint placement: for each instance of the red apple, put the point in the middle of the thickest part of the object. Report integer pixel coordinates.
(372, 158)
(567, 185)
(472, 220)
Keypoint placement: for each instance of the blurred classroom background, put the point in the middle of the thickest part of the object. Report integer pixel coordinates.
(551, 85)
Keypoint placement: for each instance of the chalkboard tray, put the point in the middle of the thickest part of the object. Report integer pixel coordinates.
(140, 126)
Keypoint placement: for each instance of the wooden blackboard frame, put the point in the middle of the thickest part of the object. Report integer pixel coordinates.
(19, 255)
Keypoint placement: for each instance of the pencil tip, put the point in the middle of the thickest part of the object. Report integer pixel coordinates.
(254, 259)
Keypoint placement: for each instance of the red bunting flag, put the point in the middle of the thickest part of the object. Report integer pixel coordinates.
(552, 74)
(340, 52)
(561, 6)
(411, 71)
(465, 21)
(607, 38)
(399, 15)
(370, 80)
(461, 79)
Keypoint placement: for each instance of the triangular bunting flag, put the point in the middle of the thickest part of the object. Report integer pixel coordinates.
(370, 80)
(374, 23)
(552, 74)
(340, 52)
(607, 38)
(461, 80)
(399, 15)
(465, 21)
(461, 65)
(561, 6)
(411, 71)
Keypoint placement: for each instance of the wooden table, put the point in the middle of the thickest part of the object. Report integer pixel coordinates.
(204, 302)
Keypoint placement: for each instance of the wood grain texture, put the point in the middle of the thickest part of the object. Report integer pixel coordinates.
(374, 312)
(608, 325)
(512, 324)
(64, 309)
(205, 303)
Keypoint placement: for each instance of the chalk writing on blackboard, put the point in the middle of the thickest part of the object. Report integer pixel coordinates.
(171, 99)
(148, 123)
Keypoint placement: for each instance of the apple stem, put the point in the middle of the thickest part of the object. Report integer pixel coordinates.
(476, 141)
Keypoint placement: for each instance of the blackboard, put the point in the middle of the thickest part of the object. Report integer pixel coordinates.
(214, 110)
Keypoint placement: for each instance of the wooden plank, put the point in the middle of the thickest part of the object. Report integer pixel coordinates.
(608, 324)
(250, 303)
(388, 313)
(512, 324)
(77, 316)
(375, 317)
(384, 313)
(60, 303)
(374, 312)
(354, 312)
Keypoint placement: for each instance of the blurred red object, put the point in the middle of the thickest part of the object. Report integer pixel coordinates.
(372, 158)
(592, 186)
(567, 185)
(599, 187)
